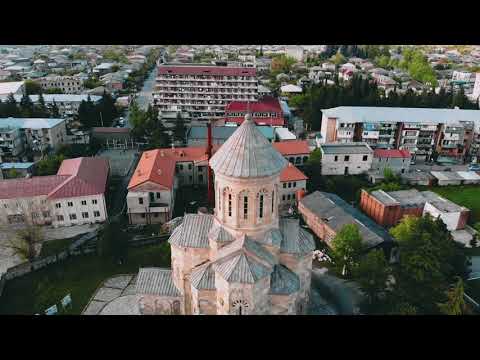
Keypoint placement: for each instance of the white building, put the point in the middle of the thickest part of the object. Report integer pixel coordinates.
(346, 159)
(68, 84)
(76, 195)
(12, 87)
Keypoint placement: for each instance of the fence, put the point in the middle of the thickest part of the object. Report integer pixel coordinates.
(86, 244)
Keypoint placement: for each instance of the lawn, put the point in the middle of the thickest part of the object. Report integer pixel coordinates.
(465, 195)
(52, 247)
(80, 276)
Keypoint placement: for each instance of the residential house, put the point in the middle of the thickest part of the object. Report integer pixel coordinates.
(346, 159)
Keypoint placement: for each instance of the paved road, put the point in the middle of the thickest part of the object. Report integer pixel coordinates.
(425, 167)
(144, 96)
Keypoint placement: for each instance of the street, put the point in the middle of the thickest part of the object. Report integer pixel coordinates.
(428, 167)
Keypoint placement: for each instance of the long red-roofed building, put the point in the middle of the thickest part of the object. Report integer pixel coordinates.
(160, 172)
(266, 111)
(203, 90)
(75, 195)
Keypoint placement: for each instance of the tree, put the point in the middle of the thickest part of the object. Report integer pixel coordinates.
(26, 106)
(455, 305)
(372, 274)
(347, 248)
(429, 260)
(25, 242)
(105, 107)
(54, 111)
(13, 174)
(11, 109)
(41, 109)
(49, 165)
(338, 59)
(32, 87)
(315, 158)
(179, 131)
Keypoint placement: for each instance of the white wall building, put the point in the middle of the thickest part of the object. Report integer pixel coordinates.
(346, 159)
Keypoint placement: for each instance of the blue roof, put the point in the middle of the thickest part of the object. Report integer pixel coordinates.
(224, 132)
(29, 123)
(6, 166)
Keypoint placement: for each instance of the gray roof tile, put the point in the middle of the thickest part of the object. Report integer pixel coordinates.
(241, 268)
(193, 232)
(156, 281)
(295, 239)
(203, 277)
(247, 153)
(283, 281)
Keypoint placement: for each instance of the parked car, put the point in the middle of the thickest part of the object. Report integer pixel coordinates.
(474, 167)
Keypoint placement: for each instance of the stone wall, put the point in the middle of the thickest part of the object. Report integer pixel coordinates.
(160, 305)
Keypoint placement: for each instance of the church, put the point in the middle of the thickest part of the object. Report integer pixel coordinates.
(243, 259)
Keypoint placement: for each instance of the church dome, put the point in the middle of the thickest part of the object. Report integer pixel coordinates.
(247, 153)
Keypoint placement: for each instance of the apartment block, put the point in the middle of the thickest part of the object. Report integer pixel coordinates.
(203, 90)
(68, 84)
(421, 131)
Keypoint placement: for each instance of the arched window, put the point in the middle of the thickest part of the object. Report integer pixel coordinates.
(239, 307)
(273, 200)
(230, 205)
(260, 212)
(245, 207)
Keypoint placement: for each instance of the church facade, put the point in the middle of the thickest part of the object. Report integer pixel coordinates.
(243, 259)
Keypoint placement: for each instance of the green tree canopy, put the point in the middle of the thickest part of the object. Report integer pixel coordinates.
(347, 248)
(32, 87)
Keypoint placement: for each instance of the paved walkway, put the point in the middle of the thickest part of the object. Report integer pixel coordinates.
(116, 296)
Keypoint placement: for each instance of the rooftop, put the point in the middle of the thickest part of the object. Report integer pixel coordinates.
(247, 153)
(391, 153)
(294, 147)
(224, 132)
(156, 281)
(10, 87)
(292, 173)
(76, 177)
(30, 123)
(371, 114)
(354, 148)
(336, 213)
(198, 69)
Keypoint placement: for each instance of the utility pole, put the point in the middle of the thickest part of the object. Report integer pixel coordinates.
(101, 118)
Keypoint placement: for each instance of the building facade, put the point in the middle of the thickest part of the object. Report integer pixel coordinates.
(203, 90)
(74, 196)
(396, 160)
(68, 84)
(422, 131)
(346, 159)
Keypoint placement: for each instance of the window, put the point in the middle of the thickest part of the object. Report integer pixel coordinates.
(35, 215)
(140, 200)
(294, 184)
(180, 167)
(158, 195)
(289, 185)
(336, 158)
(283, 197)
(229, 204)
(347, 158)
(143, 216)
(365, 157)
(284, 185)
(73, 216)
(273, 200)
(58, 205)
(189, 166)
(84, 202)
(85, 215)
(94, 201)
(46, 214)
(245, 207)
(288, 197)
(152, 197)
(96, 214)
(59, 217)
(260, 214)
(70, 204)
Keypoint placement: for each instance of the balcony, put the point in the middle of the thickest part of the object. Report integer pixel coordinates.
(159, 207)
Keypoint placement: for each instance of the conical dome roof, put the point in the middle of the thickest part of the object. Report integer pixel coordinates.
(247, 153)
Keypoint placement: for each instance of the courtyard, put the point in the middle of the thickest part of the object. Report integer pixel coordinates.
(79, 276)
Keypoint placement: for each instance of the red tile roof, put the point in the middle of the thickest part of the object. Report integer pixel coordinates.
(292, 147)
(158, 166)
(258, 120)
(24, 188)
(292, 173)
(267, 104)
(76, 177)
(393, 153)
(206, 70)
(88, 176)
